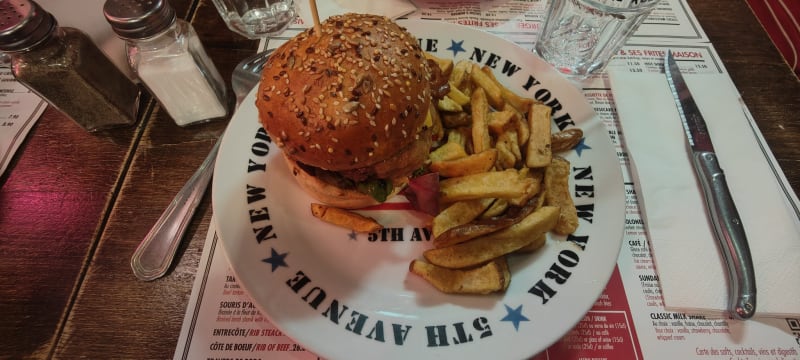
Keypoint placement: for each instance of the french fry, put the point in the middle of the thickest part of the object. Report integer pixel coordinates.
(536, 179)
(507, 184)
(505, 156)
(539, 151)
(511, 98)
(458, 96)
(459, 135)
(565, 139)
(536, 244)
(497, 208)
(485, 248)
(434, 121)
(491, 87)
(513, 141)
(460, 73)
(459, 213)
(556, 179)
(446, 65)
(492, 277)
(500, 121)
(449, 105)
(508, 141)
(461, 233)
(453, 120)
(345, 218)
(481, 139)
(520, 123)
(472, 164)
(448, 151)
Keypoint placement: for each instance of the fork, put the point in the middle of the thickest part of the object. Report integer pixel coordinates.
(155, 253)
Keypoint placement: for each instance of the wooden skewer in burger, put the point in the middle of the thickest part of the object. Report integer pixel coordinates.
(347, 104)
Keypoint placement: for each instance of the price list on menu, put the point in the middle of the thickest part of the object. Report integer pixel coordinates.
(19, 110)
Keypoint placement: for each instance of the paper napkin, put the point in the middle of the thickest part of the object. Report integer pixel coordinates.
(688, 261)
(389, 8)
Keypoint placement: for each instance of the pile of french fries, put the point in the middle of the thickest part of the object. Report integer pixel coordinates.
(503, 187)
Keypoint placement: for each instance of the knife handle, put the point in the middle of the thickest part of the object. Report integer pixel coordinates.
(730, 234)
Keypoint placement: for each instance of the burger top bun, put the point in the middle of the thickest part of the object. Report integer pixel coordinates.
(348, 97)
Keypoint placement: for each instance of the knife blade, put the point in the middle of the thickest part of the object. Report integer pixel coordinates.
(728, 227)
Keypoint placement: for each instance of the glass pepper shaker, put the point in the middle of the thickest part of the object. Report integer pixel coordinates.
(64, 67)
(166, 54)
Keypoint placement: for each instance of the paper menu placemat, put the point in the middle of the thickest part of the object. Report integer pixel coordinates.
(692, 272)
(19, 110)
(221, 319)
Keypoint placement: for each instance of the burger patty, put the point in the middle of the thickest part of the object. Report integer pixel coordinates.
(401, 165)
(408, 160)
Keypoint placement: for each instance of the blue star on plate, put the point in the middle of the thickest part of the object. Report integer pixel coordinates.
(581, 146)
(456, 47)
(515, 316)
(276, 260)
(352, 235)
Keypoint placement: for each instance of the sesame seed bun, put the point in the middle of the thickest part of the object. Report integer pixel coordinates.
(350, 98)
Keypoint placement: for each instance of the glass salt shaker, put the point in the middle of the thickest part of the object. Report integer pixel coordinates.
(166, 54)
(64, 67)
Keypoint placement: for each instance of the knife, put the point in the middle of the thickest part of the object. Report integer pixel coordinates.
(728, 227)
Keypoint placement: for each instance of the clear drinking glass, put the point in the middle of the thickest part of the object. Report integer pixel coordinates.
(255, 19)
(579, 37)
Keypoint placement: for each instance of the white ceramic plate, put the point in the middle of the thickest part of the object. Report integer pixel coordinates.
(344, 295)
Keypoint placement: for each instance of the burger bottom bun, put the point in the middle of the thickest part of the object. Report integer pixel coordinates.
(331, 195)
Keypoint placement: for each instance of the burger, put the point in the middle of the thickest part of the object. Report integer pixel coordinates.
(348, 106)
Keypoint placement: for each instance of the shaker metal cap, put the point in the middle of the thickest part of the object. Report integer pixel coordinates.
(138, 19)
(23, 24)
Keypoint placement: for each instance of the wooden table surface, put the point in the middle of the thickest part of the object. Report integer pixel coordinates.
(74, 206)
